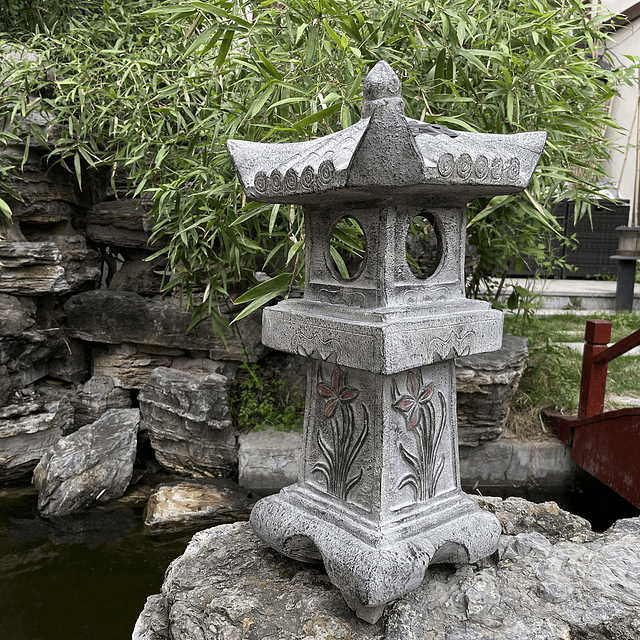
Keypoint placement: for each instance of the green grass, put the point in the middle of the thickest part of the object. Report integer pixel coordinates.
(552, 379)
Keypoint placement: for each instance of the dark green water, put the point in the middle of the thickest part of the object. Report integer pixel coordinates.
(83, 578)
(87, 577)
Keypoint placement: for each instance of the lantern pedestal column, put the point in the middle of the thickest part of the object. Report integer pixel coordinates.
(379, 495)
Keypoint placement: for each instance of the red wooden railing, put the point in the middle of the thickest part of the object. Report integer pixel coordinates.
(606, 444)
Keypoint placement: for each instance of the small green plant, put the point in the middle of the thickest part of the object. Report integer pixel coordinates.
(261, 399)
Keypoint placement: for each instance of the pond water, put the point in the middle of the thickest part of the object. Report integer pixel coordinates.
(81, 578)
(87, 577)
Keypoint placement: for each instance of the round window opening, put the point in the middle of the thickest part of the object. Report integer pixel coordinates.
(347, 249)
(424, 246)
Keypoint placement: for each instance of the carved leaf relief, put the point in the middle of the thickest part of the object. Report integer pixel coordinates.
(342, 438)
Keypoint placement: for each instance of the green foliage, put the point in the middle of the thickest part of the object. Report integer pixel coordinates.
(157, 92)
(261, 400)
(21, 18)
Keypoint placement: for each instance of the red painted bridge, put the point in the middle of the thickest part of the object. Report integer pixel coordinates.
(606, 444)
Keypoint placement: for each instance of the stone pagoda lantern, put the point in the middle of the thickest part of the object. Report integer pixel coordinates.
(378, 497)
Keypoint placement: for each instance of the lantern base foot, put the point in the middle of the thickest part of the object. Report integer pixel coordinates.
(371, 575)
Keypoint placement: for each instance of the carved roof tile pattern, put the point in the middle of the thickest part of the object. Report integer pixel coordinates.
(472, 163)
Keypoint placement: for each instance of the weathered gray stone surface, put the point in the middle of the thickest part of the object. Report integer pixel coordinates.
(196, 504)
(16, 315)
(72, 363)
(119, 223)
(114, 317)
(508, 462)
(189, 422)
(485, 385)
(27, 432)
(31, 268)
(23, 358)
(152, 624)
(204, 366)
(127, 364)
(552, 578)
(268, 460)
(81, 263)
(10, 56)
(93, 464)
(96, 397)
(139, 276)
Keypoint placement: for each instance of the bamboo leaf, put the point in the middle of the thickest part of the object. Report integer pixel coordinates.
(317, 117)
(5, 209)
(273, 287)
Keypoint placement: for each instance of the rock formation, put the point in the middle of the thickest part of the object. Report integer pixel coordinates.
(92, 464)
(551, 578)
(195, 504)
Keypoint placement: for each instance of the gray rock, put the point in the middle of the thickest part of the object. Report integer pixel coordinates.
(31, 268)
(127, 364)
(93, 464)
(189, 422)
(96, 397)
(80, 262)
(196, 504)
(541, 585)
(40, 211)
(23, 358)
(485, 385)
(119, 223)
(10, 231)
(205, 366)
(48, 193)
(268, 460)
(27, 433)
(139, 276)
(518, 515)
(152, 623)
(114, 317)
(17, 314)
(72, 365)
(228, 584)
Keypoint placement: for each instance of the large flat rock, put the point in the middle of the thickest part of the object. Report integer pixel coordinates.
(551, 579)
(115, 317)
(119, 223)
(31, 268)
(191, 505)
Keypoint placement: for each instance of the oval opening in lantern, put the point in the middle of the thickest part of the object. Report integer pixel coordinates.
(347, 249)
(424, 246)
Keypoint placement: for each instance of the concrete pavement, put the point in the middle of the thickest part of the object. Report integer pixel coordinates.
(571, 296)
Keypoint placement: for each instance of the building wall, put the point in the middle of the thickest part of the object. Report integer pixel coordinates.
(624, 163)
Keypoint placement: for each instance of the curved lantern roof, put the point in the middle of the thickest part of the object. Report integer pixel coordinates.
(384, 155)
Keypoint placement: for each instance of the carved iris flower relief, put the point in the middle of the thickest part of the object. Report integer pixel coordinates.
(335, 394)
(418, 395)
